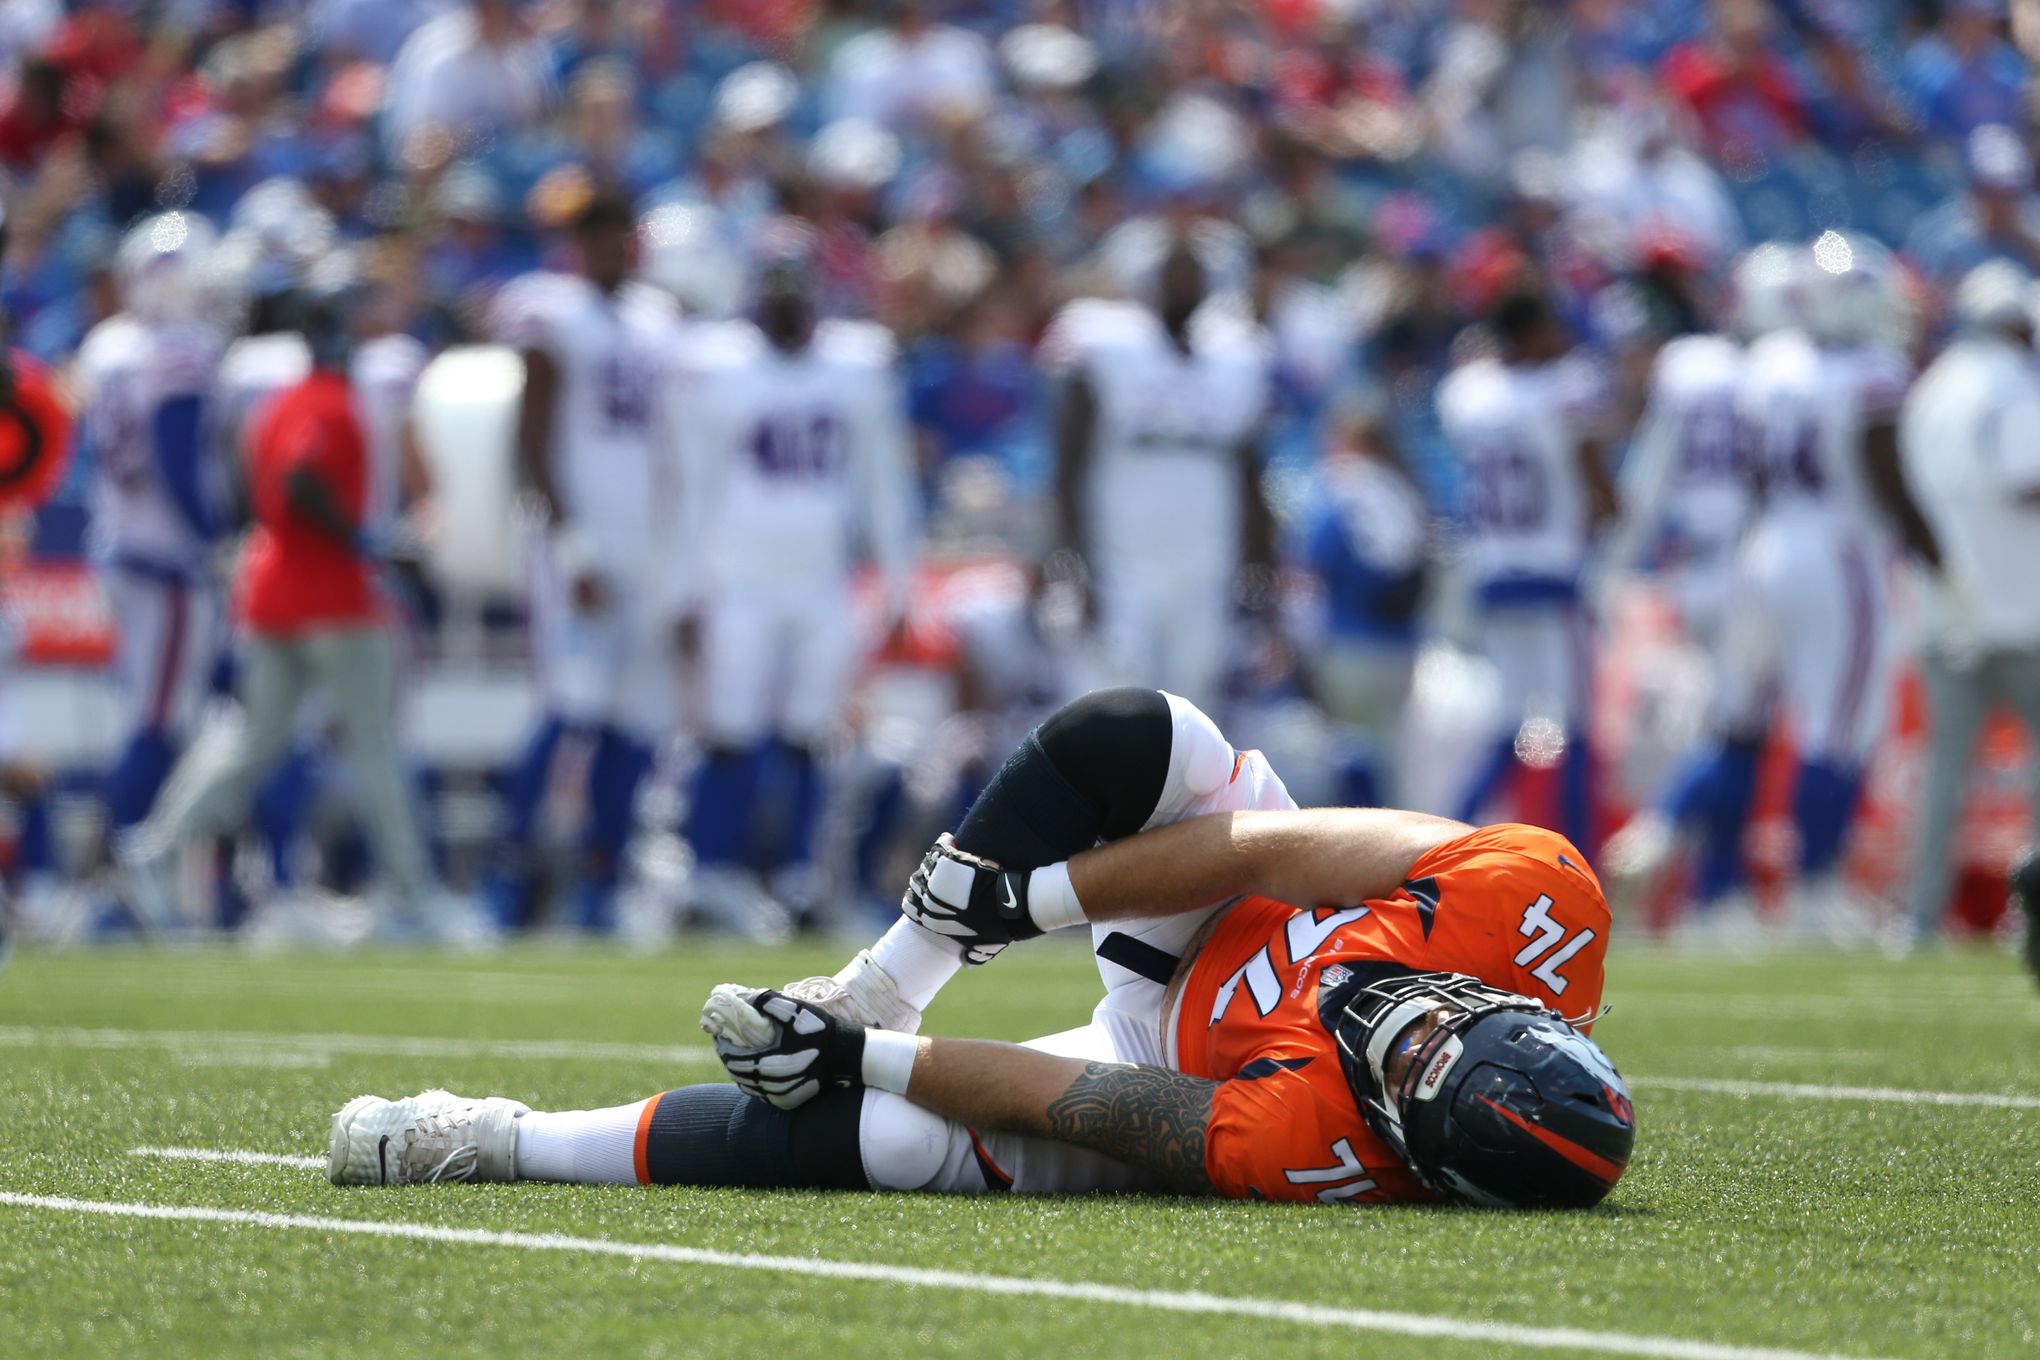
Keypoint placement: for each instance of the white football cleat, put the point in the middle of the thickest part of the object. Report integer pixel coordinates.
(861, 992)
(433, 1136)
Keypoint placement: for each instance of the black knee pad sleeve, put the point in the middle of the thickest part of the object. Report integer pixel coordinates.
(1094, 771)
(1113, 746)
(717, 1135)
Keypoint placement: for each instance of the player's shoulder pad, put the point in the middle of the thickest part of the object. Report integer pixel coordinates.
(655, 305)
(855, 344)
(525, 307)
(1690, 362)
(1089, 326)
(714, 345)
(1473, 382)
(1224, 325)
(396, 352)
(110, 342)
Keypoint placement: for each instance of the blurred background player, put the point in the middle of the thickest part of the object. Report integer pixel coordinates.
(1688, 497)
(1808, 628)
(1967, 435)
(144, 377)
(1519, 421)
(314, 621)
(1685, 494)
(1367, 549)
(1158, 469)
(595, 456)
(794, 449)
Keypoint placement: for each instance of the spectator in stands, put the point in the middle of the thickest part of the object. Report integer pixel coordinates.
(1966, 437)
(909, 70)
(1996, 217)
(1742, 90)
(1366, 545)
(462, 78)
(972, 388)
(1962, 74)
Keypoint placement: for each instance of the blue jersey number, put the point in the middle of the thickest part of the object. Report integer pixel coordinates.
(798, 447)
(626, 395)
(1507, 489)
(1713, 451)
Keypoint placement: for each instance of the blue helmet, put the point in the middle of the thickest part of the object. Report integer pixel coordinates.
(1499, 1102)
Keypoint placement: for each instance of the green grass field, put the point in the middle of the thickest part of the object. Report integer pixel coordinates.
(1818, 1210)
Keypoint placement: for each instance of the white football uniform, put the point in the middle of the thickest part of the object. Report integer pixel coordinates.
(255, 369)
(384, 375)
(794, 464)
(1685, 484)
(906, 1148)
(152, 559)
(1162, 506)
(1516, 430)
(612, 468)
(1809, 601)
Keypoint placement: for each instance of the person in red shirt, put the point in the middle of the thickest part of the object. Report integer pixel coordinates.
(312, 618)
(1745, 96)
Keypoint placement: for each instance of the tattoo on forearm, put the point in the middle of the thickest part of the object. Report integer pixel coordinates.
(1145, 1116)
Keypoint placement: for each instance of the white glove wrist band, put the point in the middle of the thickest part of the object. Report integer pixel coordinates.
(1051, 901)
(889, 1060)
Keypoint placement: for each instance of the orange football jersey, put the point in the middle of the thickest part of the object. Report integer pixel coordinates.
(1515, 906)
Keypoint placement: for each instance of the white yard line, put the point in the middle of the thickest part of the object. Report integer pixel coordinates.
(1076, 1291)
(231, 1155)
(293, 1046)
(1792, 1090)
(298, 1050)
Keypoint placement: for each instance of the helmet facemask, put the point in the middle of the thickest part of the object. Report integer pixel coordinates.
(1517, 1112)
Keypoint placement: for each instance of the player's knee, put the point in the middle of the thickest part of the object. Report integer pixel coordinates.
(1113, 746)
(904, 1147)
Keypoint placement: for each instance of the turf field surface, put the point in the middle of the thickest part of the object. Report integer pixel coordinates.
(1837, 1157)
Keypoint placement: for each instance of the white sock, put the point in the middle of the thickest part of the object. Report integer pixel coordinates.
(917, 960)
(581, 1147)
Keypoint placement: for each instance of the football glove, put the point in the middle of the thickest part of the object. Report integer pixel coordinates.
(969, 899)
(779, 1050)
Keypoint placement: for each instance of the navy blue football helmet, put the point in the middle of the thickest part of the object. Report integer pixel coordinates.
(1499, 1102)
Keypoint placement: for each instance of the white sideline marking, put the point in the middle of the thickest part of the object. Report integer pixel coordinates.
(231, 1155)
(1792, 1090)
(287, 1048)
(1273, 1310)
(300, 1050)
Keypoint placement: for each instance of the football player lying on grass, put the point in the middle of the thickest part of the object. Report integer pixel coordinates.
(1343, 1004)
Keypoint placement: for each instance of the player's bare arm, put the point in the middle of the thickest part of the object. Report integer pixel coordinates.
(311, 496)
(535, 414)
(1604, 501)
(1314, 857)
(1887, 482)
(1257, 521)
(1076, 424)
(1318, 856)
(1147, 1117)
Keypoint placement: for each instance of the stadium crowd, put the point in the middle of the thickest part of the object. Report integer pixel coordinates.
(1384, 196)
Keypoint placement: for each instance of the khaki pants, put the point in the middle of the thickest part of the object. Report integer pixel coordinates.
(209, 793)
